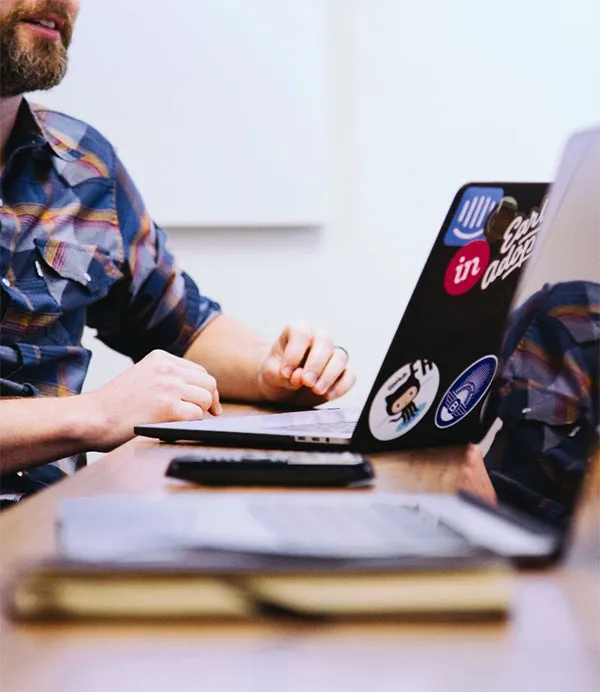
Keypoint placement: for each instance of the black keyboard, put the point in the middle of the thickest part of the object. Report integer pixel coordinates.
(291, 468)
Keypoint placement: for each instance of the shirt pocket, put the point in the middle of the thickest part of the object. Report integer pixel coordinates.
(49, 306)
(75, 275)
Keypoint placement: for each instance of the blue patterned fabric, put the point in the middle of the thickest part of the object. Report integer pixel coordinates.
(548, 400)
(77, 248)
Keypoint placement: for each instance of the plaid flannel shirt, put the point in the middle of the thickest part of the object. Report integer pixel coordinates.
(77, 247)
(548, 400)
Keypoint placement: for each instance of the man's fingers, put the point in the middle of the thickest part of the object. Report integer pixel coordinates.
(272, 374)
(295, 342)
(343, 385)
(216, 409)
(475, 478)
(164, 359)
(303, 358)
(320, 354)
(197, 395)
(332, 371)
(297, 379)
(184, 410)
(200, 378)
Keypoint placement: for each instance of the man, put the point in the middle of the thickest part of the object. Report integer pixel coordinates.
(77, 247)
(548, 398)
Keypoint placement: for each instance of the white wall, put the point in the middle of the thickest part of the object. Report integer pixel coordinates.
(219, 64)
(422, 98)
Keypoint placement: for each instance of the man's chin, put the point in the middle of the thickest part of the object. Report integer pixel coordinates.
(35, 80)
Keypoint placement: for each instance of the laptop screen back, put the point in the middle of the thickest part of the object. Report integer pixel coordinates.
(547, 390)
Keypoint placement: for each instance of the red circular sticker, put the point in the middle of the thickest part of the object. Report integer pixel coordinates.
(467, 267)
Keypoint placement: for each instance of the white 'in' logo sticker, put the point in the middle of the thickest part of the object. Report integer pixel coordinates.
(404, 399)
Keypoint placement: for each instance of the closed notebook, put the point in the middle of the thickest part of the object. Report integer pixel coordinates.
(213, 585)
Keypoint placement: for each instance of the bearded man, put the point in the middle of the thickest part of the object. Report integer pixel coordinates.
(78, 247)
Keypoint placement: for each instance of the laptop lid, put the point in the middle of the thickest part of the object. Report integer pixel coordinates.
(444, 356)
(569, 240)
(547, 450)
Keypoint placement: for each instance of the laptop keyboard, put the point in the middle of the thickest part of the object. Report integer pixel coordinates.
(409, 528)
(338, 426)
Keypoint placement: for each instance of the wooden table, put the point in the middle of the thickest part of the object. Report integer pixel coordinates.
(550, 643)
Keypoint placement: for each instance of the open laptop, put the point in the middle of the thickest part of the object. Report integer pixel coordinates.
(384, 529)
(465, 289)
(432, 385)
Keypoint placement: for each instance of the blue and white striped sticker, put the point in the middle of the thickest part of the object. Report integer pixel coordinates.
(466, 392)
(475, 206)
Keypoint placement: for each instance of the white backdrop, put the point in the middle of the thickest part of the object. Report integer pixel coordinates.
(215, 106)
(420, 98)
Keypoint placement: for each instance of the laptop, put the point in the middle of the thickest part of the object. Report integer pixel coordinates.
(432, 386)
(383, 529)
(465, 288)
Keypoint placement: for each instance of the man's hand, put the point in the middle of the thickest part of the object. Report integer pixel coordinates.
(474, 477)
(159, 388)
(305, 367)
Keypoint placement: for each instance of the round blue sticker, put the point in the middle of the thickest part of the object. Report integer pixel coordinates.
(466, 392)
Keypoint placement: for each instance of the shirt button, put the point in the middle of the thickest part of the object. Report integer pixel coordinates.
(6, 282)
(87, 277)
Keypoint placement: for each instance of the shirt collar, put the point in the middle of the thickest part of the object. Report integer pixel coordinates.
(31, 119)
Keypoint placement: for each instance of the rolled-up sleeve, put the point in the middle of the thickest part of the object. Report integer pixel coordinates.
(155, 305)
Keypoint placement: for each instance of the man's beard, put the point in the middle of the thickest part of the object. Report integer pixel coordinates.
(35, 63)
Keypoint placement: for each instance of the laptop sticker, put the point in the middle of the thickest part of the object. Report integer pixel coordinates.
(474, 208)
(404, 399)
(512, 238)
(466, 392)
(508, 241)
(467, 267)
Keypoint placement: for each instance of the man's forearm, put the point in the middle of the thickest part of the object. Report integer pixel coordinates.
(37, 430)
(232, 353)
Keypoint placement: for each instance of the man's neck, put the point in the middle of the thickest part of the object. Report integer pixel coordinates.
(9, 109)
